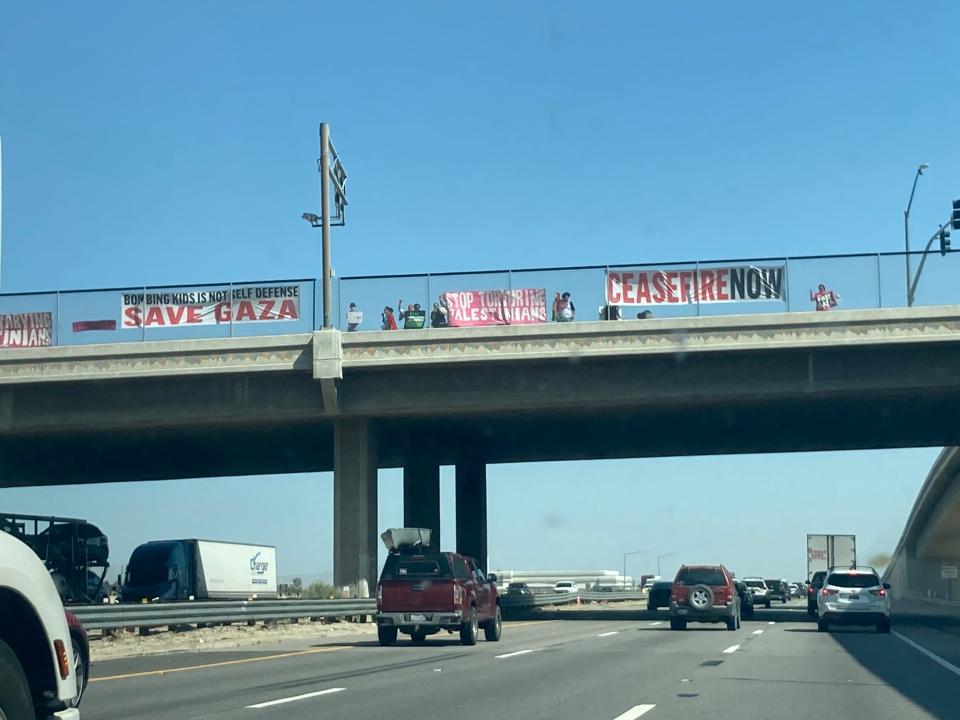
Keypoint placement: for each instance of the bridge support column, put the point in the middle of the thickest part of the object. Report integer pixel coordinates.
(421, 494)
(472, 510)
(355, 507)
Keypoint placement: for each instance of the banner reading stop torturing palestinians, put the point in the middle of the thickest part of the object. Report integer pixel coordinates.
(667, 286)
(496, 307)
(29, 329)
(213, 306)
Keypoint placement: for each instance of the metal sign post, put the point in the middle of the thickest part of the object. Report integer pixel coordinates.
(332, 175)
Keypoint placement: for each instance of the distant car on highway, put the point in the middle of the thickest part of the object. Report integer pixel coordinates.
(778, 590)
(813, 589)
(704, 593)
(853, 596)
(746, 598)
(794, 590)
(565, 586)
(759, 590)
(658, 594)
(422, 592)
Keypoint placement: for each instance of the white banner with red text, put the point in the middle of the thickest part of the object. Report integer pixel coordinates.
(682, 286)
(210, 306)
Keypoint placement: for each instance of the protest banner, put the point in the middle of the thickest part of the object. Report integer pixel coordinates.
(24, 330)
(741, 283)
(473, 308)
(211, 306)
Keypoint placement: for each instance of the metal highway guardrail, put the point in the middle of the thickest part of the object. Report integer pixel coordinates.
(100, 617)
(540, 599)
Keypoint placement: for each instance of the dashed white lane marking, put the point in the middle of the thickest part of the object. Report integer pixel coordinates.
(758, 632)
(658, 622)
(281, 701)
(514, 654)
(932, 655)
(772, 622)
(635, 712)
(731, 649)
(608, 634)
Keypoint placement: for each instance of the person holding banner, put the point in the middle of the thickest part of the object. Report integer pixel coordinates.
(389, 322)
(563, 308)
(354, 318)
(823, 299)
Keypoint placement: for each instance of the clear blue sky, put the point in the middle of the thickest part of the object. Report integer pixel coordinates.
(176, 143)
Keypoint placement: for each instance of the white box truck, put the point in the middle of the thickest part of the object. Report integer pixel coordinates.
(827, 551)
(177, 570)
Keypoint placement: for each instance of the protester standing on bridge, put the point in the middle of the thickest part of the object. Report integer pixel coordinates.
(354, 318)
(438, 316)
(389, 322)
(824, 299)
(563, 308)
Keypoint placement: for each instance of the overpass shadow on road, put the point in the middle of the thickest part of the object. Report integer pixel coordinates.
(902, 668)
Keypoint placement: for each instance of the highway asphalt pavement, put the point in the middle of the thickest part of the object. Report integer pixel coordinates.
(605, 665)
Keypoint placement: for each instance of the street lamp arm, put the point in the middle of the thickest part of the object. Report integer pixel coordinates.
(912, 290)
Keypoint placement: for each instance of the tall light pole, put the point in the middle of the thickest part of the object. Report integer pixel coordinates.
(661, 557)
(331, 174)
(906, 227)
(632, 552)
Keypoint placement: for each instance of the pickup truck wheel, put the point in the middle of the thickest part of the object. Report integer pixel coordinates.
(15, 703)
(678, 624)
(494, 626)
(469, 629)
(80, 671)
(386, 635)
(418, 636)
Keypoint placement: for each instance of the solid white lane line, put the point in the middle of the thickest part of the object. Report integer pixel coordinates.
(281, 701)
(608, 634)
(932, 655)
(514, 654)
(758, 632)
(658, 622)
(635, 712)
(731, 649)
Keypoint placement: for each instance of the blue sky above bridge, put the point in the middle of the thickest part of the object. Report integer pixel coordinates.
(165, 144)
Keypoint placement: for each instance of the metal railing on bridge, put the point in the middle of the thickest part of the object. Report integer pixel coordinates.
(662, 290)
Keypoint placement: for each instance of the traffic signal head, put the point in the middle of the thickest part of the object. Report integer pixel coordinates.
(955, 217)
(945, 241)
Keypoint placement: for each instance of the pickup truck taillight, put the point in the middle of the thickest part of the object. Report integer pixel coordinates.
(457, 594)
(379, 596)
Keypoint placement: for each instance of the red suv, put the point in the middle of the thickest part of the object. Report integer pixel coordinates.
(704, 593)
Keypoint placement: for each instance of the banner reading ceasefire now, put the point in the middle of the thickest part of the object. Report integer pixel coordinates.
(669, 286)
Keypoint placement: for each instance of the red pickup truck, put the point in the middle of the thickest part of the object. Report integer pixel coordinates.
(421, 593)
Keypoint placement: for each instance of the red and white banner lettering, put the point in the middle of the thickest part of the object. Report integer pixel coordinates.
(26, 330)
(496, 307)
(743, 283)
(215, 306)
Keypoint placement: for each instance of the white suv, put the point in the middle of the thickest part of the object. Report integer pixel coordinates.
(37, 678)
(853, 596)
(565, 586)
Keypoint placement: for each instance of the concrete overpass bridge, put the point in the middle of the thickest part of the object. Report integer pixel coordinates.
(930, 543)
(353, 403)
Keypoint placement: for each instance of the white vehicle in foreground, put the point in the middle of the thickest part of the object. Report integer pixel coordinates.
(853, 596)
(37, 678)
(565, 586)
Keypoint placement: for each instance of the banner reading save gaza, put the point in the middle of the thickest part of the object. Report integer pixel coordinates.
(210, 306)
(741, 283)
